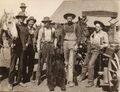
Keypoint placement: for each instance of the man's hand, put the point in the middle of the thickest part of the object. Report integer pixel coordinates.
(14, 38)
(12, 45)
(26, 44)
(55, 43)
(38, 49)
(75, 47)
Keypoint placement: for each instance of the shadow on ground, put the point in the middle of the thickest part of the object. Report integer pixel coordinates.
(3, 73)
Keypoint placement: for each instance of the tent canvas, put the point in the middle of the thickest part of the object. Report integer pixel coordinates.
(77, 6)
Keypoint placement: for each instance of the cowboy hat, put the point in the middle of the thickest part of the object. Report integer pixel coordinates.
(69, 14)
(31, 18)
(98, 22)
(23, 5)
(46, 19)
(21, 14)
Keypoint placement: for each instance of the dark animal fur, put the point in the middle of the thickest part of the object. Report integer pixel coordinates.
(58, 68)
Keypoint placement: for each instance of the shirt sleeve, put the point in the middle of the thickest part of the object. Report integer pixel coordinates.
(54, 32)
(39, 38)
(105, 40)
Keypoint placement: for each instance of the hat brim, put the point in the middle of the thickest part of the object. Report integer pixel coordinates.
(21, 16)
(46, 21)
(69, 14)
(98, 22)
(31, 19)
(23, 6)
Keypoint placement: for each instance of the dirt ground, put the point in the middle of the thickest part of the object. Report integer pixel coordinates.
(43, 87)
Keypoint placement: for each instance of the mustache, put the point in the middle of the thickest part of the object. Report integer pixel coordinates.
(70, 22)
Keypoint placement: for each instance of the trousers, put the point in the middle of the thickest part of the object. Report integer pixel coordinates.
(15, 56)
(46, 55)
(69, 58)
(28, 60)
(89, 64)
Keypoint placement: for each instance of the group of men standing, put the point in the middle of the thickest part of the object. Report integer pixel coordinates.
(45, 41)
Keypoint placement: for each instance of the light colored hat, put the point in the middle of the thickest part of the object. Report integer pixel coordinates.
(31, 18)
(46, 19)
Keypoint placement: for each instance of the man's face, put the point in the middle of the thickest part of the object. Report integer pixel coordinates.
(23, 9)
(47, 24)
(30, 23)
(69, 19)
(21, 19)
(98, 27)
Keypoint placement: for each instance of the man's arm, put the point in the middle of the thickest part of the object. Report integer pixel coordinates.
(39, 38)
(54, 36)
(105, 40)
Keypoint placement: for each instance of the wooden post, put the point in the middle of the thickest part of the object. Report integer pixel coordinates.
(118, 76)
(105, 74)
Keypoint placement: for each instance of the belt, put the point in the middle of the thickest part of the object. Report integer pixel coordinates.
(69, 40)
(47, 42)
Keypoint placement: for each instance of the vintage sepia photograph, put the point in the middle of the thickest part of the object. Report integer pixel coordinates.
(60, 45)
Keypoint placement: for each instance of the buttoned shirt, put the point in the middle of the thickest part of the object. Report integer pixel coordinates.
(99, 39)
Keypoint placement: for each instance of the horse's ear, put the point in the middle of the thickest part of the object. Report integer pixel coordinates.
(79, 18)
(5, 12)
(14, 17)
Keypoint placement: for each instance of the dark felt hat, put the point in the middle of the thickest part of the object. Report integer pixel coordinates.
(21, 14)
(69, 14)
(98, 22)
(23, 5)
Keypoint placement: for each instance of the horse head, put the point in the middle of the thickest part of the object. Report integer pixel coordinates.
(8, 22)
(82, 23)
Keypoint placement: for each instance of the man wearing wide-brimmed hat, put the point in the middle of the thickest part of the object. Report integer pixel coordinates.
(46, 44)
(98, 40)
(17, 50)
(70, 43)
(21, 17)
(23, 5)
(30, 50)
(23, 8)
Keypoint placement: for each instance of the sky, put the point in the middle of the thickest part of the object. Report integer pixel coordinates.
(36, 8)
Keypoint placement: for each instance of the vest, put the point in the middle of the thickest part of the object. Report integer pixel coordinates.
(70, 32)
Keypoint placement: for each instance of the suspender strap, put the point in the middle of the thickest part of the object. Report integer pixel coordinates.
(43, 34)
